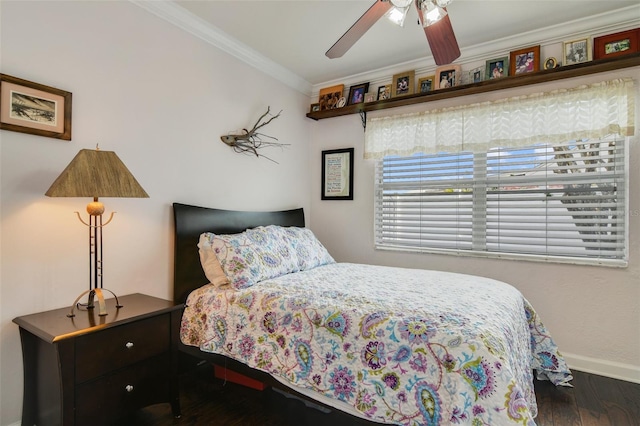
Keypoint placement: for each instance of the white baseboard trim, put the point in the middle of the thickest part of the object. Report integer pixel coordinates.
(601, 367)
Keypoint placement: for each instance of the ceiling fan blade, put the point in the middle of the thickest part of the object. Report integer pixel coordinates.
(442, 40)
(357, 30)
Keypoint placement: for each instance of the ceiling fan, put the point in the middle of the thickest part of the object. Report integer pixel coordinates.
(431, 13)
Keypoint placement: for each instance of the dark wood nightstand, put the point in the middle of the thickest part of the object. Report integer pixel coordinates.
(92, 370)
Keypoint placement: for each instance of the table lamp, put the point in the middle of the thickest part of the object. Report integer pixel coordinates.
(96, 173)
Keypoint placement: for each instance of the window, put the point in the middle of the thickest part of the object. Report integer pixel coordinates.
(562, 202)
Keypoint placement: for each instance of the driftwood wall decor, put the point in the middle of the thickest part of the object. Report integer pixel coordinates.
(250, 141)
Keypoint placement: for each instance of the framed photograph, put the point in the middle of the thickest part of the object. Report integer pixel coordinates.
(447, 76)
(524, 60)
(576, 51)
(496, 68)
(384, 92)
(337, 174)
(356, 93)
(475, 75)
(403, 84)
(550, 63)
(616, 44)
(369, 97)
(329, 96)
(425, 84)
(33, 108)
(315, 107)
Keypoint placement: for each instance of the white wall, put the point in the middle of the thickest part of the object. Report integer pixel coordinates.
(160, 98)
(593, 313)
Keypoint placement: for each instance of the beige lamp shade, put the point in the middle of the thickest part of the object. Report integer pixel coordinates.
(96, 173)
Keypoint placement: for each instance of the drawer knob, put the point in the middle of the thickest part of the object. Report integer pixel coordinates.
(129, 345)
(129, 388)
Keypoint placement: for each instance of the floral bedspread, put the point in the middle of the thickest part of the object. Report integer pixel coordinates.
(401, 346)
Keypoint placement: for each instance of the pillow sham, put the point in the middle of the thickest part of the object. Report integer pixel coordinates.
(254, 255)
(210, 263)
(309, 250)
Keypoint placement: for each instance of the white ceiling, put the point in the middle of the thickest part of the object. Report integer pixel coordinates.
(296, 33)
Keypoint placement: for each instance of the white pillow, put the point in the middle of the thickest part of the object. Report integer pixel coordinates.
(210, 263)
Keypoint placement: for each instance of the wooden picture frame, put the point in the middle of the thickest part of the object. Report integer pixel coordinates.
(356, 93)
(403, 84)
(448, 76)
(329, 97)
(496, 68)
(576, 51)
(525, 60)
(616, 44)
(337, 174)
(384, 92)
(314, 107)
(425, 84)
(34, 108)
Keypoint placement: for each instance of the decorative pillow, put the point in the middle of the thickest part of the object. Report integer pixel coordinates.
(254, 255)
(210, 264)
(309, 251)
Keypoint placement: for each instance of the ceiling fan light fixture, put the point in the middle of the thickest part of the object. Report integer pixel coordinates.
(431, 12)
(397, 15)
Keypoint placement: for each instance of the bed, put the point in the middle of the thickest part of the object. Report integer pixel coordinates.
(390, 345)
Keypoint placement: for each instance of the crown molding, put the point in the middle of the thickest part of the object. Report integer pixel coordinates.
(182, 18)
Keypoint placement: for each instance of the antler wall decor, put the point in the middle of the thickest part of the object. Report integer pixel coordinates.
(251, 141)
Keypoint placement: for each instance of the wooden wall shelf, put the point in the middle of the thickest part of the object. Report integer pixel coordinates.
(543, 76)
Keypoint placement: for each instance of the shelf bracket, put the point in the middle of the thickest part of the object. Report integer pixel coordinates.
(363, 117)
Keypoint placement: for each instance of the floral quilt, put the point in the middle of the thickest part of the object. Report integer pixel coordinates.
(400, 346)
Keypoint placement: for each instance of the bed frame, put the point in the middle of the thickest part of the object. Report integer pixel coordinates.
(191, 221)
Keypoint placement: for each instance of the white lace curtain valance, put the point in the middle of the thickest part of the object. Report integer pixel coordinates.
(589, 111)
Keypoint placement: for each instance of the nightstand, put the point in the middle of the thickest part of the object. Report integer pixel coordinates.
(92, 370)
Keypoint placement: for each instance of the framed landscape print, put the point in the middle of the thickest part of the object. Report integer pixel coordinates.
(524, 60)
(33, 108)
(616, 44)
(337, 174)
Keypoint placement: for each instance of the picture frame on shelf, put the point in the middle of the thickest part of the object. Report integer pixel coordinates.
(33, 108)
(337, 174)
(425, 84)
(475, 75)
(403, 84)
(576, 51)
(369, 97)
(550, 63)
(496, 68)
(384, 92)
(356, 93)
(329, 97)
(525, 60)
(616, 44)
(447, 76)
(314, 107)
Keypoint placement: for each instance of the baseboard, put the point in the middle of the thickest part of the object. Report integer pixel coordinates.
(601, 367)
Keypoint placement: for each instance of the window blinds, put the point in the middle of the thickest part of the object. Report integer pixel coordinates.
(562, 201)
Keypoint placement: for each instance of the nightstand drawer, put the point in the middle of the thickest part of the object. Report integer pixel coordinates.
(100, 353)
(104, 400)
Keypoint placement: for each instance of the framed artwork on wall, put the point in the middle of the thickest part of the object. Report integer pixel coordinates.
(337, 174)
(33, 108)
(524, 60)
(403, 84)
(616, 44)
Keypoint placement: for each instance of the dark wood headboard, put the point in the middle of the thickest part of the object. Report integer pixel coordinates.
(191, 221)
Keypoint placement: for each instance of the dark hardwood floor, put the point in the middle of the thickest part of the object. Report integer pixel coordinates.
(205, 400)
